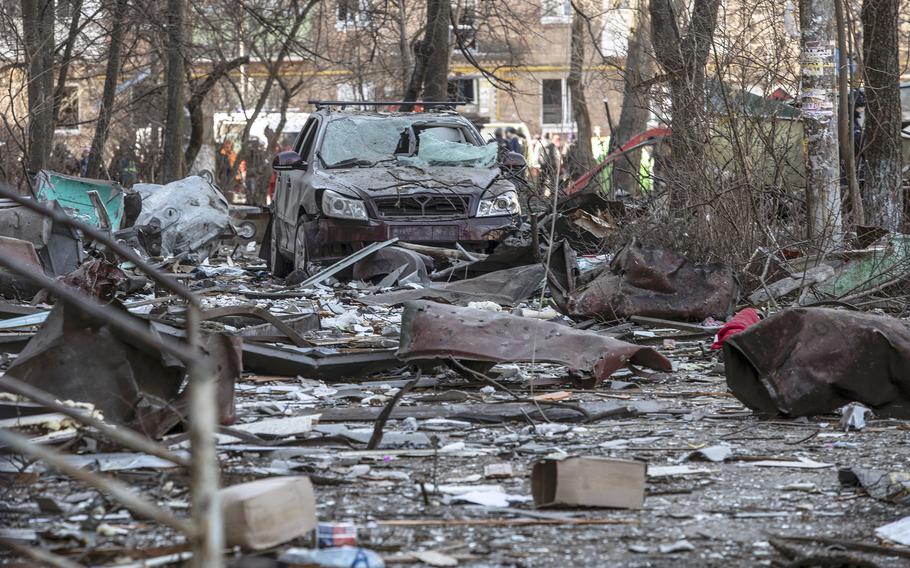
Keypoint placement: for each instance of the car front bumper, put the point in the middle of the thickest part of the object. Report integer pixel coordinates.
(336, 238)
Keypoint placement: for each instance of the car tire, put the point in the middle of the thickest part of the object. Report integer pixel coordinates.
(277, 263)
(301, 249)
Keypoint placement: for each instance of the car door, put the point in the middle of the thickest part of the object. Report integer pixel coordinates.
(289, 188)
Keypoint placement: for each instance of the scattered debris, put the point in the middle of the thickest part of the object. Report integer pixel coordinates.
(505, 287)
(96, 202)
(743, 320)
(338, 557)
(189, 214)
(803, 362)
(117, 377)
(853, 416)
(717, 454)
(589, 482)
(891, 486)
(266, 512)
(647, 281)
(437, 331)
(897, 532)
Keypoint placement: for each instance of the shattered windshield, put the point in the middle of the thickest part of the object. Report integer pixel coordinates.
(436, 151)
(369, 141)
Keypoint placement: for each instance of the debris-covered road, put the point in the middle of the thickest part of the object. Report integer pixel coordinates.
(442, 408)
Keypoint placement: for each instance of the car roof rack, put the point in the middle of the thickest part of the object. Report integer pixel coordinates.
(449, 105)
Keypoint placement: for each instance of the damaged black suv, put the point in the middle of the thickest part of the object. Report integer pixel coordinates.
(358, 177)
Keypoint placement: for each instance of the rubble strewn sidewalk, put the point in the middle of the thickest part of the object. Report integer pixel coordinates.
(424, 433)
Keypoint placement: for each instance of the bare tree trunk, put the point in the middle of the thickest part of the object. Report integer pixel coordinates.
(817, 41)
(404, 47)
(436, 77)
(683, 57)
(845, 119)
(881, 133)
(633, 118)
(38, 32)
(67, 57)
(172, 161)
(112, 75)
(582, 157)
(194, 106)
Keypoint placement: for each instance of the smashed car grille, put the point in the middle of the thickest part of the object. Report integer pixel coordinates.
(423, 206)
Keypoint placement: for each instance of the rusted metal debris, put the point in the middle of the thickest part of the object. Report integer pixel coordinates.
(436, 331)
(505, 287)
(645, 280)
(115, 378)
(808, 361)
(12, 285)
(97, 278)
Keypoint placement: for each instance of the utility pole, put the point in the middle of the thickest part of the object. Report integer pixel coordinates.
(817, 100)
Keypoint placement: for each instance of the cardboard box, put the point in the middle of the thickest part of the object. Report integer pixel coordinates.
(589, 482)
(267, 512)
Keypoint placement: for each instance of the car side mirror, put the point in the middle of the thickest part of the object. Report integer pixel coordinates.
(287, 161)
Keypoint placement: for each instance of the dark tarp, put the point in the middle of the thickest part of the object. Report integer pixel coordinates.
(808, 361)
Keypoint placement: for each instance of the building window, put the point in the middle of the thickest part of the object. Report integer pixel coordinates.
(555, 102)
(68, 119)
(463, 90)
(555, 11)
(352, 14)
(463, 35)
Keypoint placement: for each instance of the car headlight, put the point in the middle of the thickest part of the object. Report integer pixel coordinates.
(335, 205)
(505, 203)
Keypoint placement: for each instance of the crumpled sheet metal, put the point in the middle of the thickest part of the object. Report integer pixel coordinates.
(505, 287)
(437, 331)
(75, 357)
(645, 280)
(808, 361)
(190, 212)
(97, 278)
(389, 259)
(12, 285)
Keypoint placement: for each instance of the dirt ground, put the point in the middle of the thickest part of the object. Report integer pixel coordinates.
(732, 513)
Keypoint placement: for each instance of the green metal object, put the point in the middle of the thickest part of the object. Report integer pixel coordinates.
(867, 269)
(72, 193)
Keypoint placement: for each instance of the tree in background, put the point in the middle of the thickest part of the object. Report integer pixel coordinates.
(682, 49)
(881, 142)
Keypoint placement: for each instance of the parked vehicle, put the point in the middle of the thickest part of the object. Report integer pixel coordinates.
(356, 177)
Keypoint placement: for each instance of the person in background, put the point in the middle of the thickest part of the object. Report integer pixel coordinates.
(514, 141)
(498, 138)
(83, 162)
(533, 162)
(224, 163)
(549, 158)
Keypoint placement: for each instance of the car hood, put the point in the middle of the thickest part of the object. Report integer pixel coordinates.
(376, 182)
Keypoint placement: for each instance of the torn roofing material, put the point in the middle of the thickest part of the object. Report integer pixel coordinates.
(808, 361)
(430, 330)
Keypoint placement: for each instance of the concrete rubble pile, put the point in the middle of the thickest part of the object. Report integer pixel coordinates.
(433, 407)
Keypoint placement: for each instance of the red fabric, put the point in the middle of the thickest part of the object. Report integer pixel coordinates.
(738, 323)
